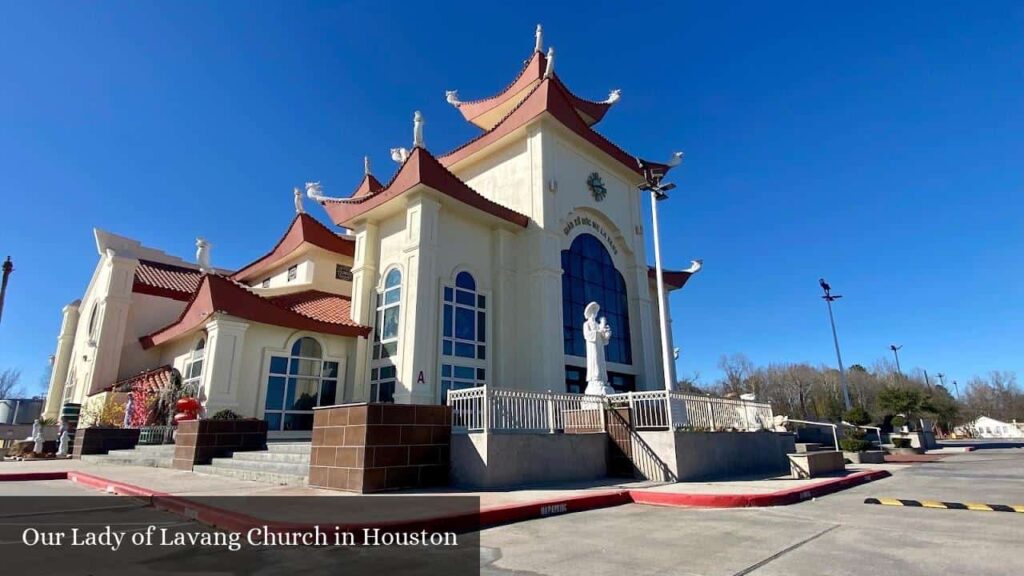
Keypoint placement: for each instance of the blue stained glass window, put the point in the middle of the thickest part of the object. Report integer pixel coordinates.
(465, 350)
(446, 370)
(394, 278)
(465, 280)
(448, 294)
(467, 298)
(465, 324)
(589, 275)
(278, 365)
(447, 320)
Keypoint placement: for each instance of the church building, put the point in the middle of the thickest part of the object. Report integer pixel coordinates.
(465, 268)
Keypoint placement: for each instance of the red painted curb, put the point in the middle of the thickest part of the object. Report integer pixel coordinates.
(517, 512)
(779, 498)
(110, 486)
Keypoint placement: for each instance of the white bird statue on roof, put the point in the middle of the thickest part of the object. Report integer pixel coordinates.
(538, 45)
(695, 266)
(452, 97)
(400, 155)
(314, 190)
(613, 97)
(675, 160)
(299, 209)
(366, 166)
(550, 69)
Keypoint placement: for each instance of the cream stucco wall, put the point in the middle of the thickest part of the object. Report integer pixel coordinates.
(315, 270)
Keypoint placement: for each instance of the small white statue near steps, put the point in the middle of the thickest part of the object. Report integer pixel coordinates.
(62, 440)
(37, 436)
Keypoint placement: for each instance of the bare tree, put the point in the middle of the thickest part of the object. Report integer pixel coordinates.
(9, 388)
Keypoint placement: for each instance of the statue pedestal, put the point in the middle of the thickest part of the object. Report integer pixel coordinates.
(598, 388)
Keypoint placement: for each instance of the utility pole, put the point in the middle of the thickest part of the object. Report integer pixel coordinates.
(653, 175)
(895, 352)
(940, 376)
(829, 298)
(8, 267)
(927, 382)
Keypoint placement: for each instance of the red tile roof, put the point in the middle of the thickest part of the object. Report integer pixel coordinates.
(532, 72)
(151, 381)
(217, 294)
(674, 279)
(166, 280)
(303, 229)
(369, 185)
(550, 96)
(420, 168)
(317, 305)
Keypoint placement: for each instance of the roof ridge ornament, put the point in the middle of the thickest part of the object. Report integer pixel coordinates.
(452, 97)
(613, 97)
(538, 45)
(417, 130)
(366, 166)
(400, 155)
(550, 69)
(316, 192)
(203, 255)
(299, 209)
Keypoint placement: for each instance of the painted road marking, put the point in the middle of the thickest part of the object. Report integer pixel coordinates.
(946, 505)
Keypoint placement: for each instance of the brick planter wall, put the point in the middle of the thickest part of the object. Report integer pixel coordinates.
(376, 447)
(200, 441)
(102, 440)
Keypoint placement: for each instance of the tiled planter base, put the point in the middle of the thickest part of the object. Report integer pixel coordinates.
(200, 441)
(376, 447)
(103, 440)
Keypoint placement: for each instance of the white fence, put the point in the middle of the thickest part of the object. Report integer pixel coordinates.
(504, 409)
(663, 410)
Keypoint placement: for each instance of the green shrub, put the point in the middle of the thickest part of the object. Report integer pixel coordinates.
(225, 415)
(898, 421)
(857, 416)
(854, 445)
(901, 442)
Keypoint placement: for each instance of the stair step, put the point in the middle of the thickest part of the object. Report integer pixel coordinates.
(289, 447)
(152, 462)
(267, 456)
(254, 475)
(292, 468)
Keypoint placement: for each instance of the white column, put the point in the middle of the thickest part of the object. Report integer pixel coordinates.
(502, 348)
(222, 364)
(112, 318)
(365, 268)
(418, 329)
(62, 360)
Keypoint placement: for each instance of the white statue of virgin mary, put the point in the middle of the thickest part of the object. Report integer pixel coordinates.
(597, 334)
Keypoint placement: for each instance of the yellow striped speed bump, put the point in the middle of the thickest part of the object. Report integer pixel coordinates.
(946, 505)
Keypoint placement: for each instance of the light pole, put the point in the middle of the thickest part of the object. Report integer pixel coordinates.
(829, 298)
(8, 267)
(942, 381)
(957, 388)
(895, 352)
(653, 174)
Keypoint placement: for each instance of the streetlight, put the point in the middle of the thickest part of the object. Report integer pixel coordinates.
(942, 381)
(653, 174)
(829, 298)
(895, 352)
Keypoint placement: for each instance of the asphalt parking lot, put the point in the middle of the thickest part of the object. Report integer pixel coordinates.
(834, 535)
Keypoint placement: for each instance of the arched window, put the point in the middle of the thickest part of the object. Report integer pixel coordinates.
(383, 374)
(92, 320)
(193, 374)
(297, 383)
(463, 335)
(589, 275)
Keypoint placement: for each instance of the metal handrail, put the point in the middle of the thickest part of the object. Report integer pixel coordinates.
(834, 427)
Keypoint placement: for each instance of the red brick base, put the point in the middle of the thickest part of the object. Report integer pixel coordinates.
(376, 447)
(200, 441)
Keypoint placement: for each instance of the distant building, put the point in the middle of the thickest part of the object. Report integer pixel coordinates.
(985, 427)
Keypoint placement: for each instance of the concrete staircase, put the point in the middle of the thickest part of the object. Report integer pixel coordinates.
(154, 456)
(284, 463)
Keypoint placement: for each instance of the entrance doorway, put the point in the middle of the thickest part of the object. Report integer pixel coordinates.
(298, 383)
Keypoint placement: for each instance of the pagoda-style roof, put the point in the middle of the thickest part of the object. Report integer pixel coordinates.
(304, 229)
(551, 96)
(488, 112)
(165, 280)
(674, 279)
(419, 168)
(367, 186)
(314, 311)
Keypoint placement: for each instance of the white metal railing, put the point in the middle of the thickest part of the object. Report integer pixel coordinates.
(834, 427)
(505, 409)
(658, 409)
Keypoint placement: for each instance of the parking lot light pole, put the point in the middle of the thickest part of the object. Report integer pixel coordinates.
(829, 297)
(896, 354)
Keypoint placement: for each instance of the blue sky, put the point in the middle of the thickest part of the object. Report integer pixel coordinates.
(879, 145)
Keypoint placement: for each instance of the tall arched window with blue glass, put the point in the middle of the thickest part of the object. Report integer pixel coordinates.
(383, 375)
(589, 275)
(463, 336)
(298, 381)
